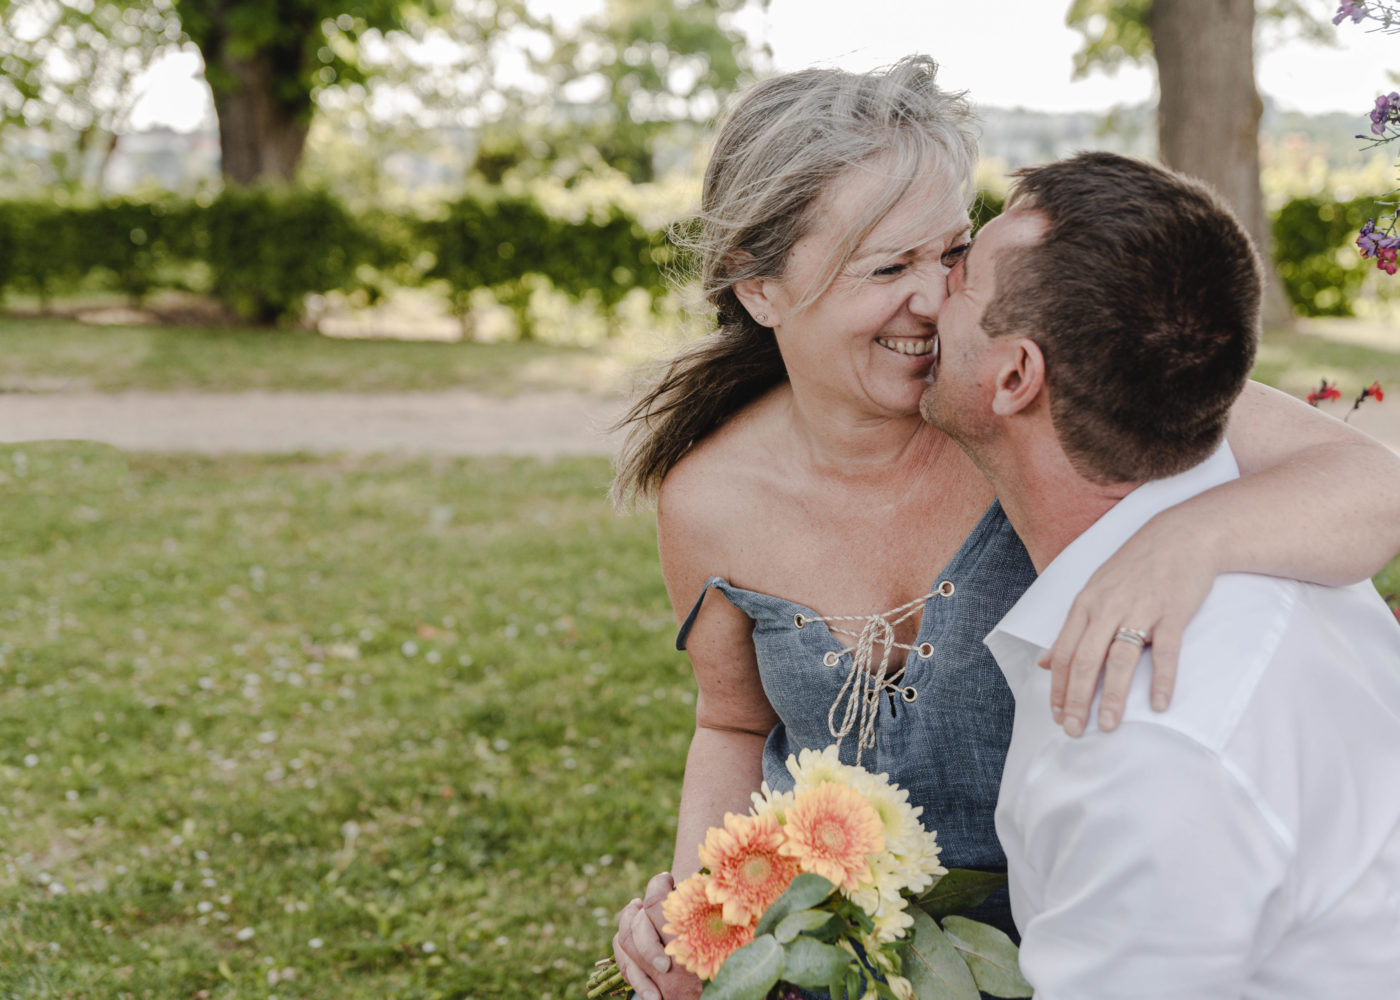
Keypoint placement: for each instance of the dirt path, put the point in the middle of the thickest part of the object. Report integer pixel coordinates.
(450, 423)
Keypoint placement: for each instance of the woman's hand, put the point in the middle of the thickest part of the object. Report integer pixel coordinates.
(1155, 583)
(640, 952)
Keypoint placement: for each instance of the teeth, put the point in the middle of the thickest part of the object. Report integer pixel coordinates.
(914, 347)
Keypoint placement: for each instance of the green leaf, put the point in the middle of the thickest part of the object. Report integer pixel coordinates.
(959, 890)
(799, 923)
(990, 955)
(837, 988)
(804, 892)
(934, 967)
(812, 965)
(749, 973)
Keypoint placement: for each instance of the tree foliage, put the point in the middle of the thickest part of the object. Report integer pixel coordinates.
(1115, 32)
(67, 77)
(636, 70)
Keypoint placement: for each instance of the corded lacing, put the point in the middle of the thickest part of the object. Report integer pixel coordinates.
(863, 684)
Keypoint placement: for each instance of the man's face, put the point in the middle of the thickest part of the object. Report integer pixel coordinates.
(962, 380)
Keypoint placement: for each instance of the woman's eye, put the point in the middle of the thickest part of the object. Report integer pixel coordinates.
(953, 255)
(889, 270)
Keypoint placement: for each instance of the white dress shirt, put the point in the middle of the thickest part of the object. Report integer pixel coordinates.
(1243, 844)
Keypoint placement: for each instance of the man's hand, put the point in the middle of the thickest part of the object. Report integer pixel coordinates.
(641, 952)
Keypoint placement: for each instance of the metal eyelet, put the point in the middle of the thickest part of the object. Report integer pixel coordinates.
(946, 588)
(925, 649)
(799, 619)
(910, 694)
(831, 659)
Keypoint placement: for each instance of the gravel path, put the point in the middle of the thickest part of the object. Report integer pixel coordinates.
(448, 423)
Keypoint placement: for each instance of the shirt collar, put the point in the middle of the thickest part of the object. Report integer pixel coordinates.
(1037, 617)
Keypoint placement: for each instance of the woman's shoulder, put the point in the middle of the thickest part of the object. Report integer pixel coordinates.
(715, 486)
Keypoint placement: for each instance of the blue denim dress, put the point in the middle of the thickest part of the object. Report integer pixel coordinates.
(948, 745)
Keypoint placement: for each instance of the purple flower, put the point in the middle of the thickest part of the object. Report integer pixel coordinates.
(1354, 9)
(1387, 110)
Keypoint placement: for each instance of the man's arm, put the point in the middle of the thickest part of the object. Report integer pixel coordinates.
(1147, 868)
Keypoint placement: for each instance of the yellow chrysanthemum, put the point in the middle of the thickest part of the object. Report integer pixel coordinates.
(747, 869)
(810, 768)
(702, 938)
(831, 829)
(766, 801)
(912, 851)
(892, 919)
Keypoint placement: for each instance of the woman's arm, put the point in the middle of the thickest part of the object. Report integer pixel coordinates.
(732, 719)
(1316, 500)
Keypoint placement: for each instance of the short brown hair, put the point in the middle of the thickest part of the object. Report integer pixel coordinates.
(1143, 295)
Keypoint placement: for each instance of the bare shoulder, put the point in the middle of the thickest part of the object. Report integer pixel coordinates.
(708, 500)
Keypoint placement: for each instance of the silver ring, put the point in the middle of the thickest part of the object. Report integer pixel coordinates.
(1134, 635)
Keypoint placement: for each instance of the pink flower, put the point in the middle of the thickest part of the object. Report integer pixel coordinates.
(702, 938)
(747, 867)
(830, 830)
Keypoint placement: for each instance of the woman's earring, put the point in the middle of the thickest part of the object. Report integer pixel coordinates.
(761, 319)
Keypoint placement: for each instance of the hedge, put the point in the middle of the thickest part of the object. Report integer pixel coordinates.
(261, 252)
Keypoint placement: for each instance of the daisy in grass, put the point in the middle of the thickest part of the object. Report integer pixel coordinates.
(702, 938)
(747, 868)
(830, 831)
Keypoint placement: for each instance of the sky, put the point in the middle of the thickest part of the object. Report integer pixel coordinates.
(1007, 53)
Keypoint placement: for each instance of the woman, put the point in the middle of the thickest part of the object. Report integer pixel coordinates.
(793, 474)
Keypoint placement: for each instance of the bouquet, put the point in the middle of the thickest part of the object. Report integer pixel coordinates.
(834, 886)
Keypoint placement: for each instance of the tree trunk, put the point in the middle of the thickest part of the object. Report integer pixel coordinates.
(261, 94)
(260, 137)
(1208, 115)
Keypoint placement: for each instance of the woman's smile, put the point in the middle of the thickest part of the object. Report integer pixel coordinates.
(911, 346)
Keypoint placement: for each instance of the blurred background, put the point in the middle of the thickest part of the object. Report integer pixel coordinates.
(326, 669)
(491, 164)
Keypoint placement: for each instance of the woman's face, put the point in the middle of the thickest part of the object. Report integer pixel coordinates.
(868, 340)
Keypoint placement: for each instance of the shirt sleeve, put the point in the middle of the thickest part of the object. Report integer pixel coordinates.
(1149, 869)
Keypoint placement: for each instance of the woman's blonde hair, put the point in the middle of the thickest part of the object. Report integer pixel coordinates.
(779, 149)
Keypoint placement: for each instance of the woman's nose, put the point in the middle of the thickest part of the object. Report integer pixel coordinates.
(928, 297)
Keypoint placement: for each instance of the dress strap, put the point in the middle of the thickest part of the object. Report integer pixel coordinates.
(695, 612)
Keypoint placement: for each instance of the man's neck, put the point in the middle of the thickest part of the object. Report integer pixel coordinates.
(1045, 498)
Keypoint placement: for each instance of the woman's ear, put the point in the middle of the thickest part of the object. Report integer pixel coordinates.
(1020, 377)
(756, 295)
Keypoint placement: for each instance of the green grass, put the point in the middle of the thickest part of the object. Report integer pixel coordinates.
(418, 727)
(1351, 353)
(67, 354)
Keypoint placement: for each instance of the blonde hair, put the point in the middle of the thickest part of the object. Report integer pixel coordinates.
(780, 148)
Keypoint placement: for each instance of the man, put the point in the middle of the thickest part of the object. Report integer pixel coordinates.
(1245, 843)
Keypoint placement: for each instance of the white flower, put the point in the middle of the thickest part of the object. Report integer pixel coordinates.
(901, 987)
(765, 801)
(810, 768)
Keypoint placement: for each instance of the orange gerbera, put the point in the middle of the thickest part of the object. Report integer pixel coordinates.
(747, 869)
(830, 830)
(702, 939)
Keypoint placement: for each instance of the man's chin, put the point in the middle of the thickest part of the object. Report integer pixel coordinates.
(928, 404)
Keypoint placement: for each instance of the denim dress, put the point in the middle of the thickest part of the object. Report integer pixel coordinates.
(947, 745)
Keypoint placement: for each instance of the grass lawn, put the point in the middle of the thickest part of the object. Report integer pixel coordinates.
(329, 728)
(67, 354)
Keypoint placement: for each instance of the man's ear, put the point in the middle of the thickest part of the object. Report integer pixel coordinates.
(1020, 377)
